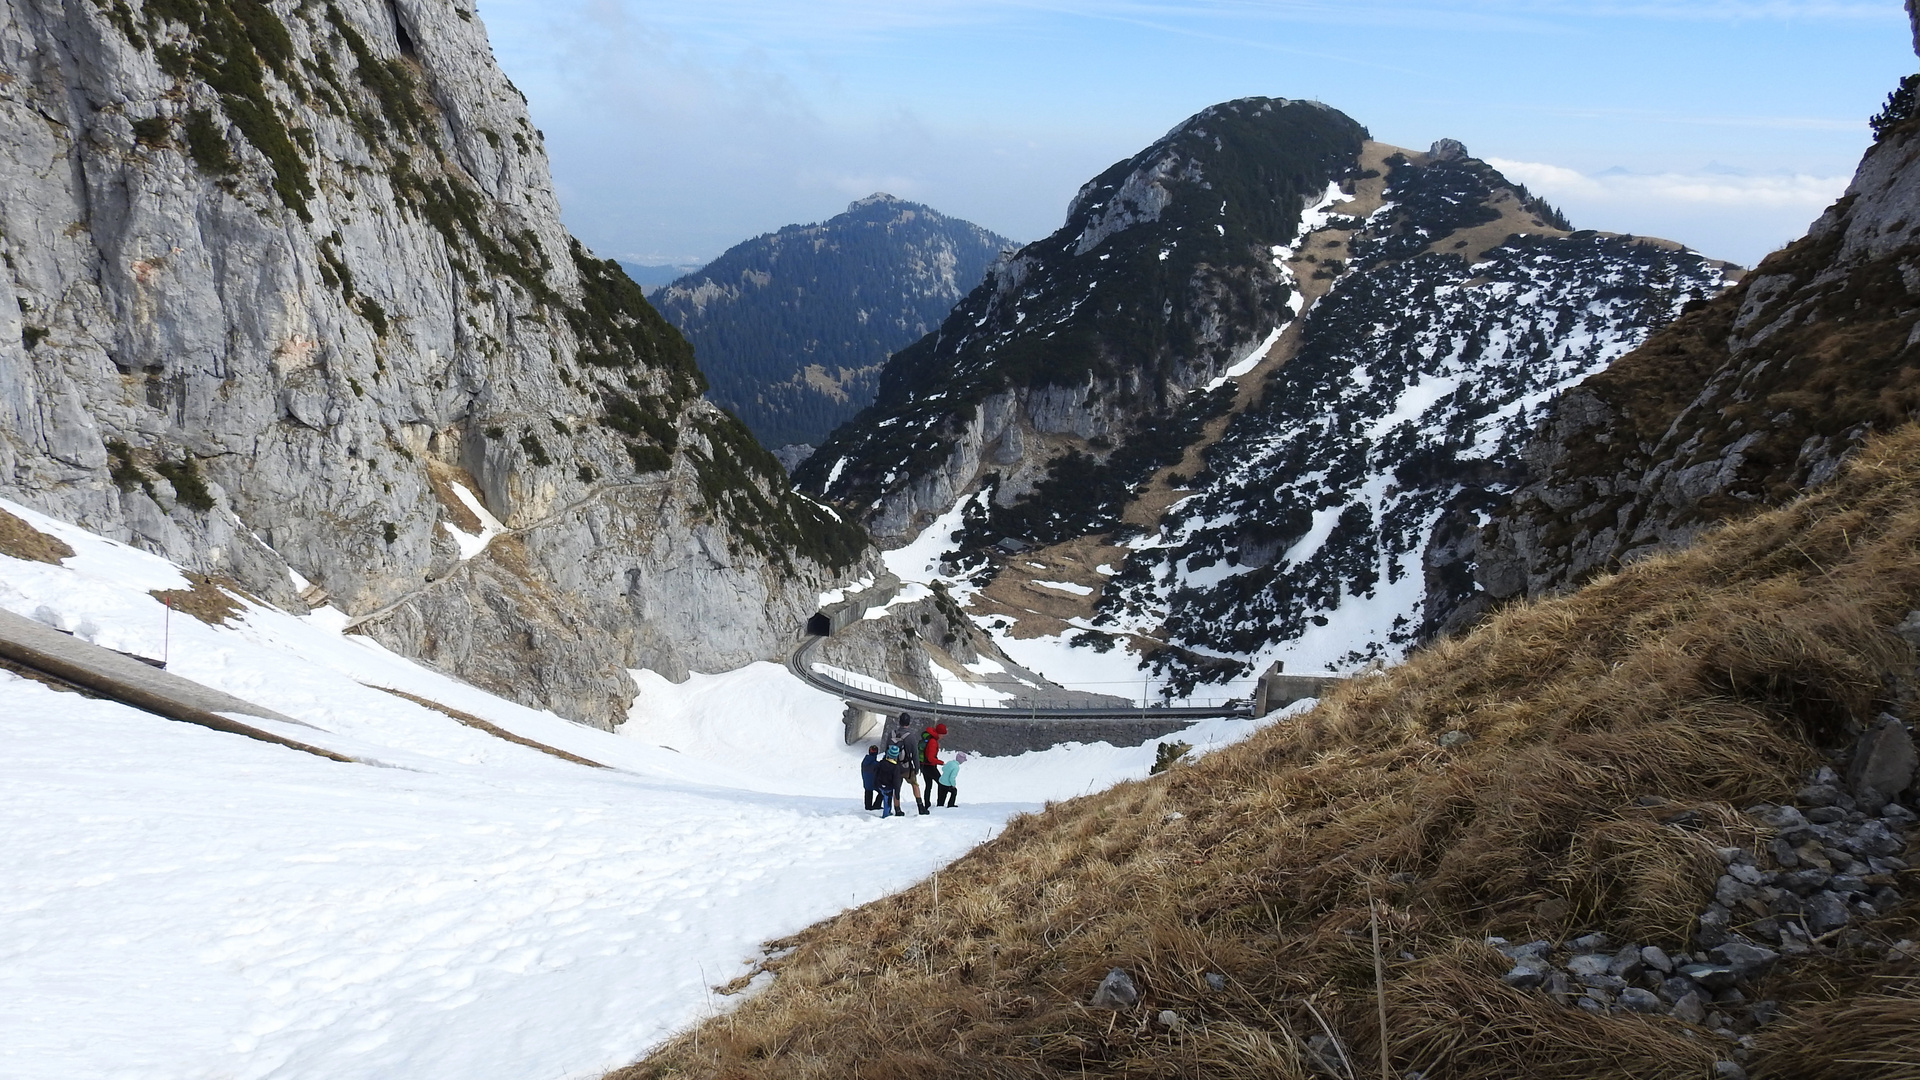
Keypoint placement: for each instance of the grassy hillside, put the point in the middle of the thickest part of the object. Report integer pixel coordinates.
(1617, 737)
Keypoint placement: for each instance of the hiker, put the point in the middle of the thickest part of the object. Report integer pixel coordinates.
(949, 773)
(901, 740)
(886, 773)
(929, 756)
(900, 733)
(867, 780)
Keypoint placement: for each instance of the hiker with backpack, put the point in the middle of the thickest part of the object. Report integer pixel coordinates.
(886, 773)
(949, 776)
(867, 780)
(901, 740)
(928, 757)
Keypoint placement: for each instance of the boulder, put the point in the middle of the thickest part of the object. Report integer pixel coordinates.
(1883, 764)
(1655, 957)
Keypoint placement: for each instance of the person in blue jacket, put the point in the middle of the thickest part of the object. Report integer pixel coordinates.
(867, 779)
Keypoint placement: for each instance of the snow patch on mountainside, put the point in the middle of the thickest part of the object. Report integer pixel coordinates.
(180, 902)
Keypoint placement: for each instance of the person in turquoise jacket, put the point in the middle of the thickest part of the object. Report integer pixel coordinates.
(949, 777)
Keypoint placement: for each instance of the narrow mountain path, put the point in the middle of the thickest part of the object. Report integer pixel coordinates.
(460, 568)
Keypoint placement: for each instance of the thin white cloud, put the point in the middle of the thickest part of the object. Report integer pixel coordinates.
(1715, 189)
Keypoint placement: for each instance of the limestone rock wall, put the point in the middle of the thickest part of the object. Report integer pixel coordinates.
(280, 279)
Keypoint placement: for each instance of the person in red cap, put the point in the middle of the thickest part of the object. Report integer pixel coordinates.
(930, 762)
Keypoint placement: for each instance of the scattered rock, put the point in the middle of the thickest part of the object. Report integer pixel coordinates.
(1116, 991)
(1527, 974)
(1728, 1070)
(1676, 987)
(1817, 795)
(1587, 964)
(1453, 738)
(1826, 912)
(1627, 963)
(1169, 1019)
(1747, 961)
(1637, 1000)
(1326, 1055)
(1909, 628)
(1714, 923)
(1712, 976)
(1832, 859)
(1656, 958)
(1216, 982)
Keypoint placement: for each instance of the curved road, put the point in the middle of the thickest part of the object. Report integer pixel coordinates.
(799, 663)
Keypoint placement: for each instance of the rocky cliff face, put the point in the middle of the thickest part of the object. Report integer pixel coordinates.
(1745, 402)
(288, 299)
(793, 326)
(1161, 279)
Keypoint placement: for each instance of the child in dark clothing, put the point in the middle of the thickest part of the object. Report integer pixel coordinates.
(887, 773)
(866, 777)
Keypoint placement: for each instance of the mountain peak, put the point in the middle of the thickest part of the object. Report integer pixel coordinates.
(878, 198)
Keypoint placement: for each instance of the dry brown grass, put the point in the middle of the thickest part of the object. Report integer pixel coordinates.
(22, 541)
(211, 599)
(1703, 680)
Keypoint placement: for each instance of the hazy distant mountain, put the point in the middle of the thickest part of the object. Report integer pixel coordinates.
(651, 277)
(791, 327)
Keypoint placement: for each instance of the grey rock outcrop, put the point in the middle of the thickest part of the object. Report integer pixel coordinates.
(281, 279)
(1746, 401)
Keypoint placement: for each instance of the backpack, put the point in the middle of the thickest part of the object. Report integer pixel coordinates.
(925, 738)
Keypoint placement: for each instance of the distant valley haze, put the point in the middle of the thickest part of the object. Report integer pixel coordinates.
(677, 130)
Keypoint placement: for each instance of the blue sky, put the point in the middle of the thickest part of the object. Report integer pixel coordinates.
(677, 130)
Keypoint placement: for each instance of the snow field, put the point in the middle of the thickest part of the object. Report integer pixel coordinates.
(182, 903)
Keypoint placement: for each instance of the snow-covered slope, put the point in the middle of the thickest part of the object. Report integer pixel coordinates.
(179, 902)
(1319, 533)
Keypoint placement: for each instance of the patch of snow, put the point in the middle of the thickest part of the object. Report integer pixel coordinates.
(1250, 361)
(1066, 587)
(472, 544)
(920, 560)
